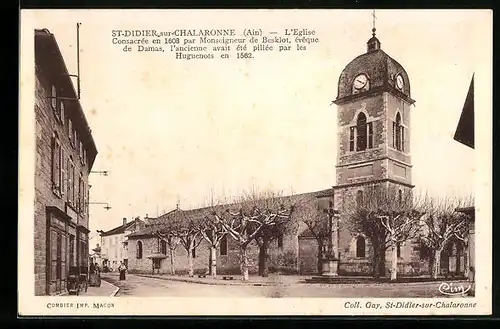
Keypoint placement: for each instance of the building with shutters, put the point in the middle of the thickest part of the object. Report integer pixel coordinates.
(65, 153)
(114, 243)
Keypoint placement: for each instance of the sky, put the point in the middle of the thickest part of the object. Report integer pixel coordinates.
(170, 130)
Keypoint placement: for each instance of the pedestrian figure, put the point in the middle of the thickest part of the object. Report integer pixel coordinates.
(122, 269)
(95, 275)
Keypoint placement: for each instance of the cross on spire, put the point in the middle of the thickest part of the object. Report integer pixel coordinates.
(373, 24)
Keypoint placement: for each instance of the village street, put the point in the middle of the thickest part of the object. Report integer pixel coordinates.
(141, 286)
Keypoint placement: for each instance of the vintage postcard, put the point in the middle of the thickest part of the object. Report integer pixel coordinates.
(255, 162)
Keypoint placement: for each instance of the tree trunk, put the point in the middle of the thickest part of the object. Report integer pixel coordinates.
(172, 262)
(376, 262)
(244, 263)
(263, 270)
(436, 264)
(213, 261)
(394, 262)
(320, 257)
(190, 262)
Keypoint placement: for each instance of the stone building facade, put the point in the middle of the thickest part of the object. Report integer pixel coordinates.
(65, 153)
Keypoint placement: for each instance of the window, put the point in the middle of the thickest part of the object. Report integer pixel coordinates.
(81, 152)
(398, 249)
(193, 251)
(360, 247)
(70, 132)
(223, 246)
(71, 180)
(280, 241)
(163, 247)
(352, 131)
(56, 165)
(400, 197)
(139, 250)
(80, 194)
(370, 134)
(361, 130)
(57, 104)
(359, 198)
(75, 138)
(398, 134)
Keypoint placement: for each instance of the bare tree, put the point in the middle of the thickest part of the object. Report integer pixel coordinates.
(189, 235)
(213, 232)
(389, 217)
(313, 215)
(168, 231)
(441, 224)
(284, 223)
(245, 220)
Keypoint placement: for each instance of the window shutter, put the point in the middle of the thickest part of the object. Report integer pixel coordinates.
(57, 159)
(394, 134)
(61, 109)
(370, 135)
(402, 138)
(63, 173)
(351, 138)
(63, 256)
(53, 151)
(70, 131)
(53, 254)
(53, 96)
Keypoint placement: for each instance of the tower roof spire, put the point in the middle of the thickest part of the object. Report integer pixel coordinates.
(373, 43)
(374, 29)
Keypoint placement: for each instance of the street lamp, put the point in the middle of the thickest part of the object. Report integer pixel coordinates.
(100, 172)
(106, 205)
(330, 263)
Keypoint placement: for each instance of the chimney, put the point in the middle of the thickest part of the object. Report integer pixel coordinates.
(124, 221)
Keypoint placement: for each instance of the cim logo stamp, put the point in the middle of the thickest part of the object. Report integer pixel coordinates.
(451, 289)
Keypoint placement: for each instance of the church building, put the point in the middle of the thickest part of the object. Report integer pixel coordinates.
(374, 107)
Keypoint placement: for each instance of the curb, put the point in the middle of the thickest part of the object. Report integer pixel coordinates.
(210, 283)
(297, 283)
(115, 291)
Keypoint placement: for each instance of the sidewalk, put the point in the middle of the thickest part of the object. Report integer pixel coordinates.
(281, 280)
(106, 289)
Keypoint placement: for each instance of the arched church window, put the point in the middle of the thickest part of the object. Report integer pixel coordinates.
(398, 249)
(360, 247)
(400, 197)
(139, 250)
(398, 133)
(361, 130)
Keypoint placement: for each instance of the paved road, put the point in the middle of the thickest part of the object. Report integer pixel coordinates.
(151, 287)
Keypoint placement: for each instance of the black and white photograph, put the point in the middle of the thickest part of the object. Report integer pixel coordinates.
(255, 162)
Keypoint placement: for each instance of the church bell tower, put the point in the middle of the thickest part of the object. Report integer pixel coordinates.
(373, 121)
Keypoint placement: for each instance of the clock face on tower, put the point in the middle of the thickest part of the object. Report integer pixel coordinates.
(360, 81)
(399, 82)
